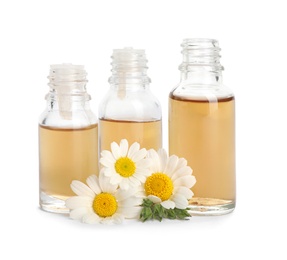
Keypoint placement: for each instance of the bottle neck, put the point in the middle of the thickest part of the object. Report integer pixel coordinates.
(201, 62)
(67, 93)
(68, 80)
(201, 77)
(129, 69)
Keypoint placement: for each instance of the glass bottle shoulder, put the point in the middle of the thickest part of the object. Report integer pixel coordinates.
(204, 92)
(73, 115)
(130, 105)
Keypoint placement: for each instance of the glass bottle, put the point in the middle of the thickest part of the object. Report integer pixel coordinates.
(202, 127)
(68, 137)
(129, 110)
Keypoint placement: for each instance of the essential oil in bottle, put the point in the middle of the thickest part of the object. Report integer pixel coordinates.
(145, 133)
(68, 137)
(202, 127)
(129, 110)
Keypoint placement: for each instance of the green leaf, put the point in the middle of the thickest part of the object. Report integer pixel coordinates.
(171, 214)
(147, 203)
(158, 212)
(181, 213)
(146, 214)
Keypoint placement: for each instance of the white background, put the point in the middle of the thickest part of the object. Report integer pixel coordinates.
(252, 35)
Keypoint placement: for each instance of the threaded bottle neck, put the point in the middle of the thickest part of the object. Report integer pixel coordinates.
(201, 62)
(67, 79)
(129, 66)
(200, 54)
(67, 84)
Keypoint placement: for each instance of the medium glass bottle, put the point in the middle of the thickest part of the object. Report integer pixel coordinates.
(202, 127)
(129, 110)
(68, 137)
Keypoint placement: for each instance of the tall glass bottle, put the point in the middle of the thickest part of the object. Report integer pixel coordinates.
(202, 127)
(129, 110)
(68, 137)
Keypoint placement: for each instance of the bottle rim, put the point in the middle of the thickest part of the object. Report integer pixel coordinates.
(201, 53)
(67, 78)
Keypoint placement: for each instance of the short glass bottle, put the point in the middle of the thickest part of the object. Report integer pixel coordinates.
(68, 137)
(202, 127)
(130, 110)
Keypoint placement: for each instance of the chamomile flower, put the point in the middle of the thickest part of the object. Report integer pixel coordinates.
(125, 166)
(102, 202)
(170, 182)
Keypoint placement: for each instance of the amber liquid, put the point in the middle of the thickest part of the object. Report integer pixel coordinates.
(66, 155)
(203, 132)
(147, 134)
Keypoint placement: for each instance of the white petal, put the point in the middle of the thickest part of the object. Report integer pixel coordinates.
(171, 165)
(108, 171)
(168, 204)
(181, 162)
(139, 155)
(143, 171)
(193, 181)
(114, 219)
(108, 157)
(163, 158)
(105, 184)
(78, 202)
(107, 153)
(124, 194)
(78, 213)
(117, 218)
(180, 201)
(130, 202)
(93, 182)
(140, 194)
(81, 189)
(124, 146)
(106, 221)
(106, 163)
(91, 218)
(125, 184)
(115, 179)
(133, 149)
(132, 212)
(185, 170)
(184, 191)
(153, 156)
(134, 181)
(116, 150)
(144, 163)
(154, 199)
(151, 153)
(186, 181)
(140, 177)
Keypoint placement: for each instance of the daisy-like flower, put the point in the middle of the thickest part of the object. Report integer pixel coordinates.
(170, 182)
(102, 202)
(125, 166)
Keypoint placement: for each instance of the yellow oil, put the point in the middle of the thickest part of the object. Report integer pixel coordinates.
(203, 132)
(66, 155)
(147, 134)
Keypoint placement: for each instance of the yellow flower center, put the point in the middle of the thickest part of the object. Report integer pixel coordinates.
(105, 205)
(160, 185)
(125, 167)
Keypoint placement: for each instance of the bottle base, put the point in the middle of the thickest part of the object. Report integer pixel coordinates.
(52, 204)
(210, 207)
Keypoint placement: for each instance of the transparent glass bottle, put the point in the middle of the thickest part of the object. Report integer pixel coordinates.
(68, 137)
(202, 127)
(129, 110)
